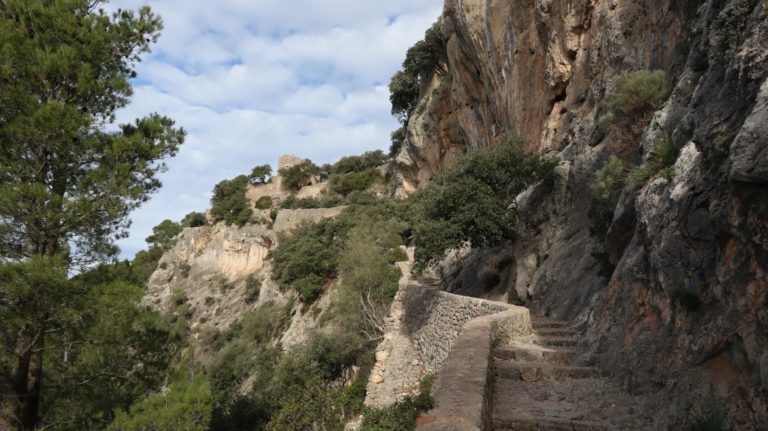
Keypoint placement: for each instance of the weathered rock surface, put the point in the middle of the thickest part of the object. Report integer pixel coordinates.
(671, 284)
(210, 265)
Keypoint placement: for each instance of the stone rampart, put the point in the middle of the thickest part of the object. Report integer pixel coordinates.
(290, 219)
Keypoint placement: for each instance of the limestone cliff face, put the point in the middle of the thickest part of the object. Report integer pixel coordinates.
(211, 265)
(670, 285)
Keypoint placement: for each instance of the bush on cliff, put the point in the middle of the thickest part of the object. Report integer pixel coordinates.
(299, 175)
(361, 163)
(308, 257)
(344, 184)
(472, 201)
(609, 180)
(401, 415)
(229, 203)
(423, 59)
(636, 96)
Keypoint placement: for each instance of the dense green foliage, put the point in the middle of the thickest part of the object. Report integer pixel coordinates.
(401, 415)
(369, 281)
(637, 94)
(422, 60)
(660, 161)
(263, 203)
(361, 163)
(470, 202)
(194, 219)
(186, 406)
(260, 174)
(344, 184)
(397, 138)
(299, 175)
(324, 201)
(404, 91)
(69, 177)
(609, 180)
(308, 257)
(229, 204)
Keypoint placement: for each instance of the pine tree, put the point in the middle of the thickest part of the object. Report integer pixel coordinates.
(68, 176)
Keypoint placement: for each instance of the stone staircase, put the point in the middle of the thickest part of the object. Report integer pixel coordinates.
(537, 388)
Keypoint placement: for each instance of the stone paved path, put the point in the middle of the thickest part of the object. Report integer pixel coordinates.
(536, 387)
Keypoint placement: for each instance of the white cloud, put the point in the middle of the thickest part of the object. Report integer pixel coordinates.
(251, 80)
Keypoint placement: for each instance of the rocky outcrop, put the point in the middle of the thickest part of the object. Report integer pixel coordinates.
(670, 285)
(210, 265)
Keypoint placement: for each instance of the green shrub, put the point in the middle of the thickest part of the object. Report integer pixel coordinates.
(609, 180)
(471, 200)
(186, 406)
(660, 162)
(324, 201)
(184, 269)
(259, 174)
(425, 56)
(175, 320)
(252, 289)
(263, 203)
(637, 94)
(404, 93)
(309, 288)
(229, 204)
(398, 255)
(398, 139)
(344, 184)
(299, 175)
(194, 219)
(308, 256)
(401, 415)
(369, 280)
(364, 162)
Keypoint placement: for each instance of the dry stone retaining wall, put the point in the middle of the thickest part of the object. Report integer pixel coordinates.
(290, 219)
(433, 319)
(422, 329)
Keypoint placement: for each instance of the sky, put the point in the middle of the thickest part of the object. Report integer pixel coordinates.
(250, 80)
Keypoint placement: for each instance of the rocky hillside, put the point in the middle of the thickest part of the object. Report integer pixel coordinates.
(221, 270)
(668, 278)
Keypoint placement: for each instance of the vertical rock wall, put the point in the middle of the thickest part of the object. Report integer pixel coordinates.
(670, 285)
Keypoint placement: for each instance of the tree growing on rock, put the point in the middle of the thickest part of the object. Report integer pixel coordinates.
(472, 201)
(260, 174)
(299, 175)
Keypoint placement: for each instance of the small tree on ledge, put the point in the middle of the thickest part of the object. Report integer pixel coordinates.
(260, 174)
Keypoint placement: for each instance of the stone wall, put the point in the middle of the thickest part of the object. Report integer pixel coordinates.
(463, 391)
(290, 219)
(423, 325)
(433, 319)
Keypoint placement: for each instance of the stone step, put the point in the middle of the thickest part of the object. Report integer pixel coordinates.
(523, 423)
(538, 371)
(544, 323)
(555, 341)
(577, 404)
(534, 353)
(555, 332)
